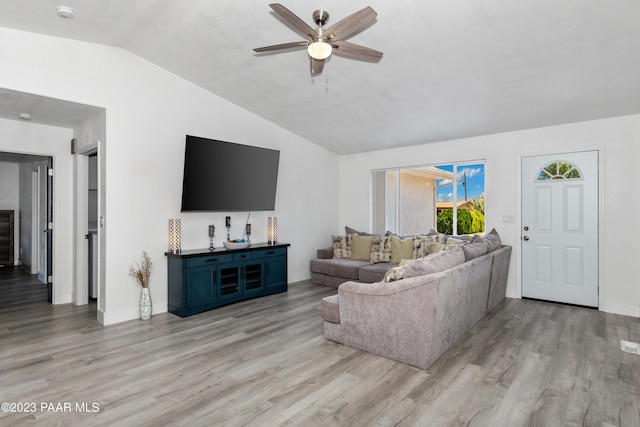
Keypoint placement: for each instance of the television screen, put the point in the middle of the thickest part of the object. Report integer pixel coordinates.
(222, 176)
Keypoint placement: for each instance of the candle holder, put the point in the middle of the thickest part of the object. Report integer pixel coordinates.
(247, 231)
(212, 233)
(272, 230)
(174, 236)
(227, 223)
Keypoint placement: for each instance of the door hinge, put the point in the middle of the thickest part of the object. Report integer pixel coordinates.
(49, 279)
(50, 171)
(50, 226)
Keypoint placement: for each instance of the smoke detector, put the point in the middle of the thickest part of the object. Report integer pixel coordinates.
(65, 12)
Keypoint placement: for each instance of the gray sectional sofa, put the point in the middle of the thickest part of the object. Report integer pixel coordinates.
(416, 319)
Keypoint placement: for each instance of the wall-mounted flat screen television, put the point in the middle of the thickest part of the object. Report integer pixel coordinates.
(222, 176)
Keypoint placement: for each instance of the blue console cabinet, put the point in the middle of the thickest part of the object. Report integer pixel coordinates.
(200, 280)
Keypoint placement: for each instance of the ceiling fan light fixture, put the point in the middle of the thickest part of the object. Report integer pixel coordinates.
(319, 50)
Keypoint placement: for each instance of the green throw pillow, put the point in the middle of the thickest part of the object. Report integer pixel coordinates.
(401, 249)
(361, 247)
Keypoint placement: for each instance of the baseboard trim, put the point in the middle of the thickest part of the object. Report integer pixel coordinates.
(622, 308)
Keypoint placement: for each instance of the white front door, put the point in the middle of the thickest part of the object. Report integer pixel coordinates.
(560, 228)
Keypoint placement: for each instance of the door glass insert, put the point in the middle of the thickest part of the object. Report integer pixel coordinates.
(558, 170)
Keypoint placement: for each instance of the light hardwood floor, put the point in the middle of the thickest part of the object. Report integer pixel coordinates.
(264, 362)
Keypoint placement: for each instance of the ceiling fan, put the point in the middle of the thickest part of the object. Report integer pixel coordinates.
(323, 42)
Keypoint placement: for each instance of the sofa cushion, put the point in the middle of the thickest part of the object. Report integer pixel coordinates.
(401, 249)
(326, 280)
(346, 268)
(325, 253)
(434, 263)
(349, 230)
(341, 246)
(380, 249)
(493, 240)
(374, 272)
(474, 250)
(331, 309)
(361, 247)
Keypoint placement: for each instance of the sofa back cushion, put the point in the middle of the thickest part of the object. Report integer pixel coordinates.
(434, 263)
(474, 250)
(493, 240)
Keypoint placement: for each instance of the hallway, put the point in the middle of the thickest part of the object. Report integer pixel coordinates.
(18, 287)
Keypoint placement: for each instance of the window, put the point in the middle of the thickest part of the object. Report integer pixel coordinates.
(449, 198)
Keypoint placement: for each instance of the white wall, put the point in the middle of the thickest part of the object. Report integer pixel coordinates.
(10, 199)
(618, 140)
(148, 113)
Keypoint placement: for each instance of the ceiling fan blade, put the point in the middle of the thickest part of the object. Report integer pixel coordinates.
(316, 66)
(355, 51)
(293, 20)
(352, 23)
(281, 46)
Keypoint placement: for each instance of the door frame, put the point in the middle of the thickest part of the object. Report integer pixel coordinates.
(601, 196)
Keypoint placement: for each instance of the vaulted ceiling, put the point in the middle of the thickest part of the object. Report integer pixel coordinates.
(451, 68)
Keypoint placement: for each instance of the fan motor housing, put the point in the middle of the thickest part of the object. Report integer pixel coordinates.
(320, 17)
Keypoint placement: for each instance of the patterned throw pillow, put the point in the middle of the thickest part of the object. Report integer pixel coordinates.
(396, 273)
(454, 243)
(426, 245)
(342, 246)
(380, 249)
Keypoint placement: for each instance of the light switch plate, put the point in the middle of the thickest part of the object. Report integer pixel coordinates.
(508, 219)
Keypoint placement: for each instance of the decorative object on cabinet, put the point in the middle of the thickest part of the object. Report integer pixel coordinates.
(272, 230)
(142, 274)
(174, 235)
(236, 244)
(199, 280)
(212, 234)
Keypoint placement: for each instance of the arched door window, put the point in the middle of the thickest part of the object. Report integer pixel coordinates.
(558, 170)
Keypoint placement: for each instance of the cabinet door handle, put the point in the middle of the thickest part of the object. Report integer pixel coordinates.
(212, 260)
(270, 252)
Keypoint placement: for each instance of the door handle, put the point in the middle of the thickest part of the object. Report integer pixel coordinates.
(525, 238)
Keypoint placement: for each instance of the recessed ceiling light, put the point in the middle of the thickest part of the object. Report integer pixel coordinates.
(24, 116)
(64, 12)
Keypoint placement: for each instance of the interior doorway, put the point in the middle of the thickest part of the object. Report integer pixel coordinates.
(26, 194)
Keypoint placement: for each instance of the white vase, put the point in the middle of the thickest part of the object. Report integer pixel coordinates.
(145, 304)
